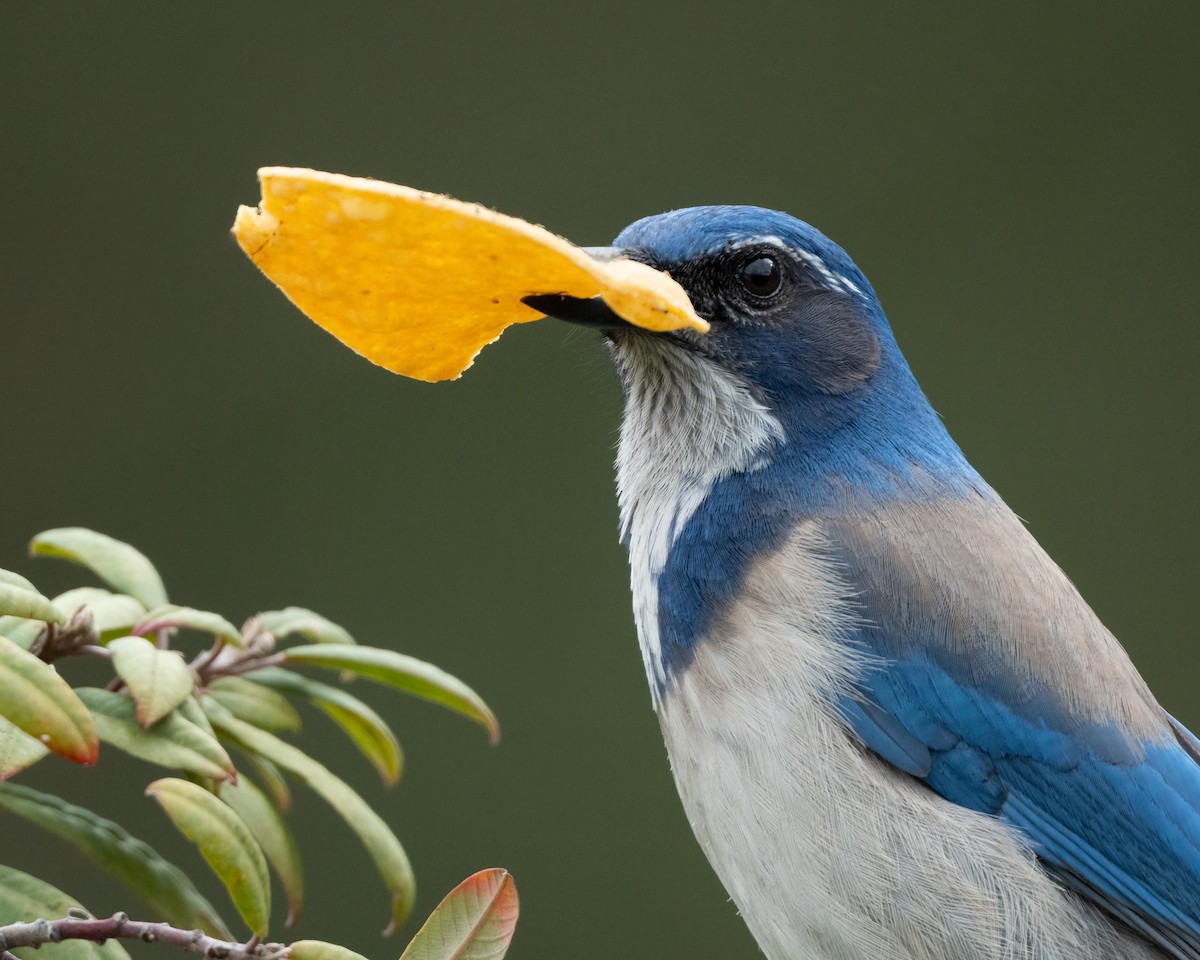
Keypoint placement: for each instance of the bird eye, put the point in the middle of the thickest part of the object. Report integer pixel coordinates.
(761, 277)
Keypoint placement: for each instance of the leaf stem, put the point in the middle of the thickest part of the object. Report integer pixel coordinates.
(95, 650)
(120, 927)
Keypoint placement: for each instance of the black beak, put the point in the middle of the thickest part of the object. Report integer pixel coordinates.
(586, 312)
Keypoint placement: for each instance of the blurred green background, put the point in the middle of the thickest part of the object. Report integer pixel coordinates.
(1018, 180)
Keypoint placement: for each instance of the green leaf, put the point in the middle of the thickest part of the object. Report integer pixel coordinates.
(226, 844)
(163, 886)
(18, 602)
(114, 562)
(273, 780)
(16, 580)
(113, 613)
(192, 712)
(475, 921)
(158, 679)
(35, 698)
(320, 950)
(71, 600)
(18, 750)
(172, 742)
(389, 857)
(254, 703)
(404, 672)
(273, 835)
(20, 631)
(23, 898)
(297, 620)
(364, 726)
(170, 616)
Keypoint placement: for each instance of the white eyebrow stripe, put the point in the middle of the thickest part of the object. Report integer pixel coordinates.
(835, 280)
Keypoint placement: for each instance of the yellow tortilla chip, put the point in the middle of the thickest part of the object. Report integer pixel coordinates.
(419, 283)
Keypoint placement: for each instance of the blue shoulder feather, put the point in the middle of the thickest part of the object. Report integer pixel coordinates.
(1114, 814)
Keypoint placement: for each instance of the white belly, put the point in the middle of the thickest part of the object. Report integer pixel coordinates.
(829, 853)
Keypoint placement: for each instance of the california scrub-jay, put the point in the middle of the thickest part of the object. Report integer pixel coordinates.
(897, 729)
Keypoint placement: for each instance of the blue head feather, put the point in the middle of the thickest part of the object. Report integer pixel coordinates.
(820, 354)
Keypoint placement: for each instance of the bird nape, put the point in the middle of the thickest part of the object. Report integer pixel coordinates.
(897, 729)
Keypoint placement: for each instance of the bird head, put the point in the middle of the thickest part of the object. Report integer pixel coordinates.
(796, 334)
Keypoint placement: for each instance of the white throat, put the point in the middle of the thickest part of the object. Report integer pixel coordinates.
(688, 424)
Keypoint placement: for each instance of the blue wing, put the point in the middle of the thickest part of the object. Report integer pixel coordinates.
(991, 681)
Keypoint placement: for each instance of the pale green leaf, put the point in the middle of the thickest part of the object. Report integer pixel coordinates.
(24, 898)
(321, 950)
(172, 742)
(255, 704)
(226, 844)
(16, 580)
(20, 631)
(16, 601)
(404, 672)
(475, 921)
(158, 679)
(385, 850)
(113, 614)
(164, 887)
(273, 835)
(366, 728)
(296, 620)
(71, 600)
(170, 616)
(18, 750)
(35, 698)
(114, 562)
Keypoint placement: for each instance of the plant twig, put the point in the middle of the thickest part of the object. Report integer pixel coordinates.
(248, 665)
(200, 663)
(120, 927)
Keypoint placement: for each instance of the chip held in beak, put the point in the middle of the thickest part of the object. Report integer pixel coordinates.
(419, 283)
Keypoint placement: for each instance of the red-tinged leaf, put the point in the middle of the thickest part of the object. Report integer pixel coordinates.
(475, 921)
(37, 700)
